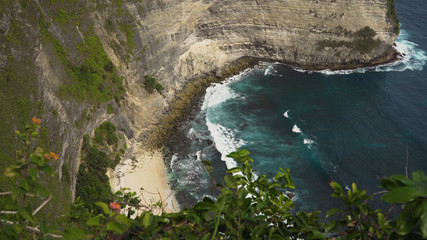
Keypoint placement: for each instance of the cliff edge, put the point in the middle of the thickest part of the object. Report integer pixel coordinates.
(53, 52)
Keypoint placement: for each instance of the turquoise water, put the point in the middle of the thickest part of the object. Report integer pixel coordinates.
(345, 126)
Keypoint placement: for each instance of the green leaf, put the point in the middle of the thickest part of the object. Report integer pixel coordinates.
(26, 214)
(207, 236)
(354, 187)
(234, 170)
(423, 225)
(364, 209)
(210, 215)
(230, 180)
(41, 190)
(405, 222)
(381, 219)
(316, 235)
(74, 234)
(116, 227)
(48, 170)
(331, 212)
(400, 195)
(203, 206)
(34, 133)
(34, 158)
(419, 176)
(93, 221)
(336, 187)
(25, 184)
(146, 221)
(104, 207)
(395, 181)
(243, 153)
(123, 219)
(330, 226)
(32, 172)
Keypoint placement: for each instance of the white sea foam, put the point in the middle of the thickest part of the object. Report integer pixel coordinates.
(193, 169)
(216, 94)
(286, 114)
(221, 92)
(308, 142)
(173, 160)
(192, 134)
(225, 142)
(296, 129)
(268, 70)
(411, 58)
(223, 137)
(199, 155)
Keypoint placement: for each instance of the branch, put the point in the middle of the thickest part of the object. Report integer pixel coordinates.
(7, 212)
(42, 205)
(10, 193)
(32, 229)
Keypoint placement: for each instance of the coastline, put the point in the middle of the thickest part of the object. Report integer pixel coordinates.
(147, 174)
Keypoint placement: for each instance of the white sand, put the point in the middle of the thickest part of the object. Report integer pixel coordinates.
(145, 175)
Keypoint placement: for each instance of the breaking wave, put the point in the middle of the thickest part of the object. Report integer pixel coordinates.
(225, 142)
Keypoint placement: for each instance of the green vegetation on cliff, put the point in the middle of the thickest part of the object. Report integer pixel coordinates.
(151, 84)
(391, 13)
(19, 88)
(96, 79)
(92, 182)
(364, 40)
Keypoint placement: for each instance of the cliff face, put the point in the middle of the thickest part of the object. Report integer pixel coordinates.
(298, 32)
(176, 40)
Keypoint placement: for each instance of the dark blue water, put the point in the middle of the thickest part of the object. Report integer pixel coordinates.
(348, 126)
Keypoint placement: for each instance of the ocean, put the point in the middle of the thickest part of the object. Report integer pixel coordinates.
(345, 126)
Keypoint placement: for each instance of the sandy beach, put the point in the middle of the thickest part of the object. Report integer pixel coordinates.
(146, 175)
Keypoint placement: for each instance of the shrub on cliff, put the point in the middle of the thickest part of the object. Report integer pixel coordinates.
(152, 84)
(106, 132)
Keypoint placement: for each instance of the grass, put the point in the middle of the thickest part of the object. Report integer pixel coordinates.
(62, 18)
(96, 79)
(127, 29)
(363, 41)
(110, 109)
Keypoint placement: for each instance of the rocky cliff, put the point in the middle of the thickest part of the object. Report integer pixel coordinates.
(173, 40)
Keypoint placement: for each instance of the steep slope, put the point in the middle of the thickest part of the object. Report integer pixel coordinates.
(62, 48)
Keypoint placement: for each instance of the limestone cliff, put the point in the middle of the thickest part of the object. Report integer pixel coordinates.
(176, 40)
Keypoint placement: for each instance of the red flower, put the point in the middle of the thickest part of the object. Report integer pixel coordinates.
(115, 206)
(36, 121)
(54, 155)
